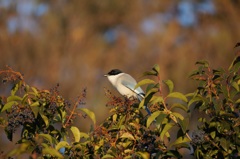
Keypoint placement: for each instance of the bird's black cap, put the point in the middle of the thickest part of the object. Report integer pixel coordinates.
(114, 72)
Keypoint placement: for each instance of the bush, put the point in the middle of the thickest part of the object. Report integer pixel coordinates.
(46, 119)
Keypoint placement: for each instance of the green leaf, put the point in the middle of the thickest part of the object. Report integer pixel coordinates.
(178, 115)
(235, 85)
(47, 137)
(180, 140)
(177, 95)
(45, 119)
(150, 73)
(127, 135)
(9, 105)
(195, 99)
(202, 62)
(14, 89)
(144, 82)
(156, 99)
(151, 91)
(144, 155)
(170, 85)
(213, 134)
(35, 104)
(107, 156)
(161, 117)
(76, 133)
(14, 98)
(90, 114)
(35, 110)
(156, 68)
(167, 127)
(61, 144)
(224, 144)
(184, 124)
(35, 90)
(52, 152)
(152, 117)
(180, 106)
(84, 135)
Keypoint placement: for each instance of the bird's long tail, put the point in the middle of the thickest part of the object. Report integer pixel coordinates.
(148, 111)
(140, 97)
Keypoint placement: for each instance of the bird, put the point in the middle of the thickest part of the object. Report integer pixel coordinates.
(125, 85)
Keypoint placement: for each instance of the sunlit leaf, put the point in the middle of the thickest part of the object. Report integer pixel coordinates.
(35, 90)
(202, 62)
(76, 133)
(127, 135)
(152, 117)
(156, 99)
(235, 85)
(180, 140)
(14, 98)
(213, 134)
(14, 89)
(178, 115)
(144, 155)
(166, 128)
(144, 82)
(170, 85)
(177, 95)
(156, 68)
(90, 114)
(180, 106)
(8, 105)
(61, 144)
(51, 151)
(184, 124)
(47, 137)
(35, 104)
(150, 73)
(45, 119)
(107, 156)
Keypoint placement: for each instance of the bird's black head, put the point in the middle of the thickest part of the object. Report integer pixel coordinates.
(114, 72)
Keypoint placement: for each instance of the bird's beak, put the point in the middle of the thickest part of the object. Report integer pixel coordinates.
(105, 75)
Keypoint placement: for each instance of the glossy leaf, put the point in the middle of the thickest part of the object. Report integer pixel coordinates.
(61, 144)
(144, 155)
(9, 105)
(180, 106)
(90, 114)
(170, 85)
(14, 98)
(152, 117)
(156, 68)
(144, 82)
(203, 62)
(76, 133)
(45, 119)
(166, 128)
(14, 89)
(180, 140)
(177, 95)
(47, 137)
(128, 136)
(52, 152)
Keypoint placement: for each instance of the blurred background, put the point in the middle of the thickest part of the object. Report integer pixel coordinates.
(74, 43)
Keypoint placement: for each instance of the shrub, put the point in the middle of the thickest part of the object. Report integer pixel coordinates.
(46, 119)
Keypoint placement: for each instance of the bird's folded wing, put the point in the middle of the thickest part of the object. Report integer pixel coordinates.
(138, 90)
